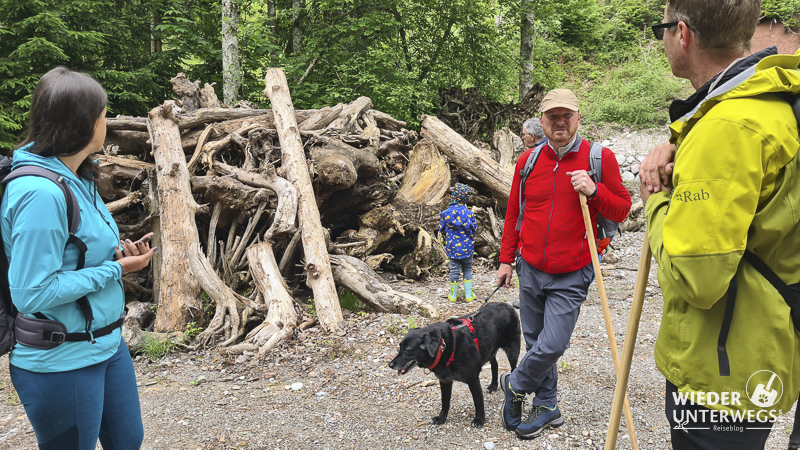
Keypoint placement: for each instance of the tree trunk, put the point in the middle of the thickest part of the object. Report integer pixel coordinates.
(231, 68)
(286, 212)
(208, 98)
(468, 158)
(185, 269)
(318, 267)
(509, 145)
(427, 178)
(359, 278)
(347, 122)
(297, 31)
(188, 93)
(281, 320)
(272, 18)
(338, 166)
(526, 41)
(321, 118)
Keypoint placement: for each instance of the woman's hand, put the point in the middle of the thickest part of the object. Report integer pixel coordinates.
(133, 256)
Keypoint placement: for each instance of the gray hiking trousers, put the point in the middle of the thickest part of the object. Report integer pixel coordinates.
(549, 305)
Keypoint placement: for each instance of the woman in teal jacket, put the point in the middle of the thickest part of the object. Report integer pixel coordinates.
(77, 391)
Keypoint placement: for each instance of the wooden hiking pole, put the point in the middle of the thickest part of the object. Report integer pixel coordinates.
(612, 341)
(630, 341)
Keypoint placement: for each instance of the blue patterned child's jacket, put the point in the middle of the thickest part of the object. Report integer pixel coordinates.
(458, 225)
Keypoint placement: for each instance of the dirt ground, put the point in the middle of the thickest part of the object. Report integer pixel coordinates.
(337, 391)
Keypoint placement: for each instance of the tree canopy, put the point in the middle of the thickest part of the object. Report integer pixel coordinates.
(399, 53)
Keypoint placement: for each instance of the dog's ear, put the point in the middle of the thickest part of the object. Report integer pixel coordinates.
(430, 344)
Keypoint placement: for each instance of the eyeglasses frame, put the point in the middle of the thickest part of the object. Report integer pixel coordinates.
(660, 28)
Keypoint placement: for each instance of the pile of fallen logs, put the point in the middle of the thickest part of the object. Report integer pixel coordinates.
(247, 205)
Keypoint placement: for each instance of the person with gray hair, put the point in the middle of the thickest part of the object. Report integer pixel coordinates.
(721, 207)
(532, 132)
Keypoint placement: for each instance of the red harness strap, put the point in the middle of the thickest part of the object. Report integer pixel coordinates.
(467, 323)
(438, 356)
(439, 352)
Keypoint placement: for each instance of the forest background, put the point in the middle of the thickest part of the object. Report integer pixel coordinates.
(400, 53)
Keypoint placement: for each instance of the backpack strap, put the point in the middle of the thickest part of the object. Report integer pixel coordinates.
(727, 318)
(596, 162)
(73, 210)
(533, 156)
(73, 220)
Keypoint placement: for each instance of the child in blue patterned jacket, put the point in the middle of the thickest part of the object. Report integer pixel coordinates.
(458, 225)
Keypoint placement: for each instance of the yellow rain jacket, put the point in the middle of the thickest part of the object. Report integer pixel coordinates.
(736, 185)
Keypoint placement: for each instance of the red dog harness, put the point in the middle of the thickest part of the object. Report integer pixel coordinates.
(468, 323)
(464, 323)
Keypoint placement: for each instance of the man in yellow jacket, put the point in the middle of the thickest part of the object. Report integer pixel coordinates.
(728, 181)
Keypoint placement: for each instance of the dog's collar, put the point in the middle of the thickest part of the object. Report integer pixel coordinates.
(438, 356)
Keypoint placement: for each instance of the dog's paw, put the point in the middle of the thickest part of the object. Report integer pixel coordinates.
(492, 388)
(477, 423)
(438, 420)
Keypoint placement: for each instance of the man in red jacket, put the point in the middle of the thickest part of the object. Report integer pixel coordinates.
(552, 256)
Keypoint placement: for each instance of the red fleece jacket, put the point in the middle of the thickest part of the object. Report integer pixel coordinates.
(552, 236)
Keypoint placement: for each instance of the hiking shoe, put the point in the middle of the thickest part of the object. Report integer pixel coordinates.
(541, 418)
(511, 410)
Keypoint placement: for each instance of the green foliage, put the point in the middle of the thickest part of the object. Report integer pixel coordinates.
(311, 308)
(400, 53)
(109, 40)
(636, 93)
(191, 331)
(397, 327)
(155, 348)
(787, 11)
(410, 322)
(349, 301)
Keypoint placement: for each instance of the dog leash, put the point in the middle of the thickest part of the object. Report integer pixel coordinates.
(486, 300)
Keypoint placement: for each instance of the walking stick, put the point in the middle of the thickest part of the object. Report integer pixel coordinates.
(612, 341)
(630, 341)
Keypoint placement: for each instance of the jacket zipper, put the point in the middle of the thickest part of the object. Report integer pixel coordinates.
(550, 218)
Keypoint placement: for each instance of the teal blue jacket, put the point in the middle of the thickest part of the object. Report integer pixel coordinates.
(42, 274)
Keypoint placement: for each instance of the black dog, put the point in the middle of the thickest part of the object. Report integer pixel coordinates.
(456, 350)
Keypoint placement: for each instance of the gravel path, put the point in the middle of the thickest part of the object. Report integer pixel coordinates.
(323, 391)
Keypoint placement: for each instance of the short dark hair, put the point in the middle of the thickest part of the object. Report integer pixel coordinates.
(65, 108)
(726, 25)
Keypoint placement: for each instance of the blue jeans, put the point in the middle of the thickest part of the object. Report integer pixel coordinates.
(70, 410)
(459, 265)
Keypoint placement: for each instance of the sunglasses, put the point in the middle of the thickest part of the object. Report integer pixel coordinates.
(660, 28)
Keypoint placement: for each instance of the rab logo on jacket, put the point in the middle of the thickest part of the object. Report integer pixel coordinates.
(764, 388)
(689, 196)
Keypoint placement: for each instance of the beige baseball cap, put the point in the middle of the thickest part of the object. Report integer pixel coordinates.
(559, 98)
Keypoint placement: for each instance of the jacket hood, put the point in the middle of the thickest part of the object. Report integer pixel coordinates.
(764, 72)
(23, 157)
(452, 216)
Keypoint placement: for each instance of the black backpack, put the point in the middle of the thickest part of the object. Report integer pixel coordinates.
(41, 332)
(606, 228)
